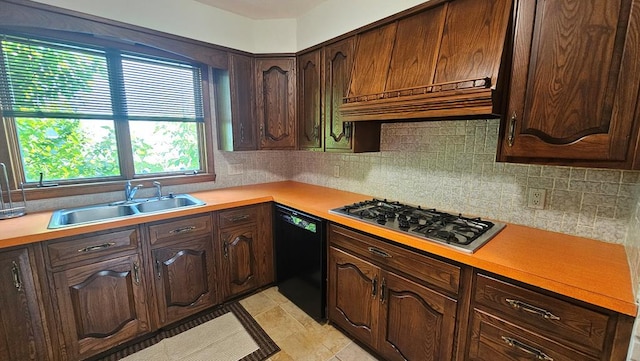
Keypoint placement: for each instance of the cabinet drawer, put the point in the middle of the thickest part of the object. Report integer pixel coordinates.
(580, 327)
(84, 247)
(180, 229)
(237, 216)
(493, 339)
(435, 272)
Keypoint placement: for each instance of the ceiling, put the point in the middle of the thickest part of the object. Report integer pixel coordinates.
(265, 9)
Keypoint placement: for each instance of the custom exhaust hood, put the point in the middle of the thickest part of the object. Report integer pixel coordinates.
(442, 62)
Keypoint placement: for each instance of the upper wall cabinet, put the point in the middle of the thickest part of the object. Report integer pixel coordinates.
(441, 62)
(276, 102)
(343, 136)
(235, 105)
(310, 130)
(323, 80)
(574, 84)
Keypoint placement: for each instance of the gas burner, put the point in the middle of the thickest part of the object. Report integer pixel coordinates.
(463, 233)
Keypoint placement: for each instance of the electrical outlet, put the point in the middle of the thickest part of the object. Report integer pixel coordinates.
(536, 198)
(336, 171)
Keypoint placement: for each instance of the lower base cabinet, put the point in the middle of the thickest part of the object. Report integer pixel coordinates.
(397, 317)
(101, 305)
(184, 267)
(512, 322)
(22, 331)
(246, 249)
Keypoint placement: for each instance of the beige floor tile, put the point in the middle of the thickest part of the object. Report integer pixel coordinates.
(276, 296)
(281, 356)
(278, 324)
(304, 347)
(353, 352)
(333, 339)
(300, 316)
(258, 303)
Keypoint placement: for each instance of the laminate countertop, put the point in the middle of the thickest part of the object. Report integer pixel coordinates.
(585, 269)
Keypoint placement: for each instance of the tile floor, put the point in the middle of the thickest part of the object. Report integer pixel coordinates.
(299, 336)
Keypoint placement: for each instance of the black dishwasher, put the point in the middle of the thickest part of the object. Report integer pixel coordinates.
(301, 260)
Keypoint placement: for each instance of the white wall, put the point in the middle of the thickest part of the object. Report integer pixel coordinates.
(336, 17)
(195, 20)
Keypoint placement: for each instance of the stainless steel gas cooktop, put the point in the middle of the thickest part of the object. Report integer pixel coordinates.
(457, 231)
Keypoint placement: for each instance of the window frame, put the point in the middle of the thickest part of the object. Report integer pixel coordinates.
(10, 151)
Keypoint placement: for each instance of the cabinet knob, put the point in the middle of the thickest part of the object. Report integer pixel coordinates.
(136, 273)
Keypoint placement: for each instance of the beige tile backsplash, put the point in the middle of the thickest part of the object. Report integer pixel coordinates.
(451, 165)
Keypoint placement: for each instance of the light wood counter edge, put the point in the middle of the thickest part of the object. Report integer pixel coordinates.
(317, 200)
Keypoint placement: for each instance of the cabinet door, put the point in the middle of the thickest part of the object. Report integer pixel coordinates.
(310, 134)
(276, 102)
(21, 332)
(416, 323)
(242, 102)
(101, 305)
(344, 136)
(575, 79)
(353, 290)
(184, 279)
(239, 259)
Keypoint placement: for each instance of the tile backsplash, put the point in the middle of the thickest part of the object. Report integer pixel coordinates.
(451, 165)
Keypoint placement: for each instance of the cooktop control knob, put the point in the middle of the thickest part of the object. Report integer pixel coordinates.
(381, 219)
(403, 223)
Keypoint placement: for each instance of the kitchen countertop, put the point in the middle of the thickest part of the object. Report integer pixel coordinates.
(588, 270)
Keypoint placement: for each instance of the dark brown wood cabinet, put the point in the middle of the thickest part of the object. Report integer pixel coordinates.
(574, 84)
(100, 293)
(235, 104)
(246, 249)
(184, 265)
(342, 136)
(310, 124)
(22, 325)
(399, 318)
(441, 60)
(275, 80)
(511, 322)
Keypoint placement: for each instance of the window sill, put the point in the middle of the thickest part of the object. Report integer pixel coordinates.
(34, 193)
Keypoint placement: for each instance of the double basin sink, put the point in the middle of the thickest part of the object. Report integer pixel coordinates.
(95, 213)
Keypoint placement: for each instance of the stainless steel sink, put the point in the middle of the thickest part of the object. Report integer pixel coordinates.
(157, 205)
(99, 212)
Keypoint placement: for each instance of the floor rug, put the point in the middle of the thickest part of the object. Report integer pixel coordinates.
(227, 333)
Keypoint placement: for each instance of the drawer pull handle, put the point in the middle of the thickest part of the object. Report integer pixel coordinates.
(512, 130)
(136, 273)
(539, 355)
(519, 305)
(374, 287)
(15, 272)
(182, 230)
(226, 250)
(378, 252)
(98, 247)
(383, 288)
(238, 218)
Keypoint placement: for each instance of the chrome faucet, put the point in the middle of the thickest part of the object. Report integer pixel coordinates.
(130, 192)
(158, 189)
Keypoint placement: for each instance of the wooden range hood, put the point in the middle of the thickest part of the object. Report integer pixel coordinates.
(441, 62)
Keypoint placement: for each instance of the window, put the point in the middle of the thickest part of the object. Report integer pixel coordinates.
(81, 114)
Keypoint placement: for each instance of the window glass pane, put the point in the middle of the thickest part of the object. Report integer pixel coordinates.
(67, 148)
(164, 147)
(53, 80)
(158, 90)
